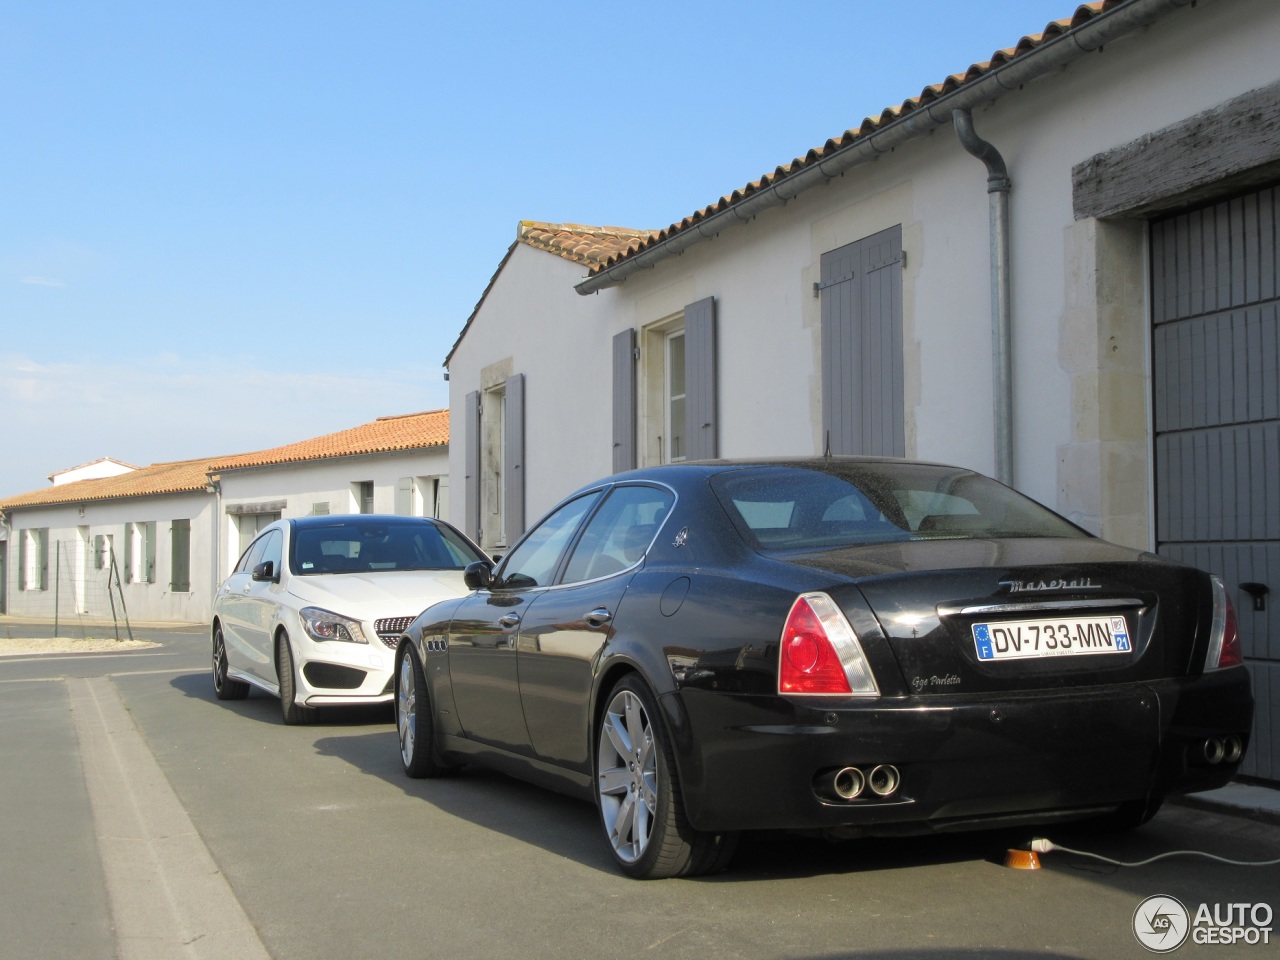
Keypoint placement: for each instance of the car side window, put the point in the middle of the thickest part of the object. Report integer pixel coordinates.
(251, 556)
(617, 537)
(534, 560)
(272, 550)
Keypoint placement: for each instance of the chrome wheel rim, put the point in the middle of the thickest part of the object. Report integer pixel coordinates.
(627, 776)
(219, 660)
(406, 711)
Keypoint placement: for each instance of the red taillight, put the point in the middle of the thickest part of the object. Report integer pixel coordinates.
(809, 661)
(1231, 656)
(820, 653)
(1224, 635)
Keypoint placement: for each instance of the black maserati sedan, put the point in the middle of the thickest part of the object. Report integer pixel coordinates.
(849, 646)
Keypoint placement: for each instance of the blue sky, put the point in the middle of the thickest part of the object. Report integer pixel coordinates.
(229, 226)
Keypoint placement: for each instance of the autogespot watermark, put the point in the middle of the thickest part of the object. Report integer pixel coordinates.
(1162, 924)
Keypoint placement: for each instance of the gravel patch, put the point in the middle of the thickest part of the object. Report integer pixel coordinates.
(27, 646)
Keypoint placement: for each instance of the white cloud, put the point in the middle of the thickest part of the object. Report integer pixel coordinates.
(42, 282)
(56, 415)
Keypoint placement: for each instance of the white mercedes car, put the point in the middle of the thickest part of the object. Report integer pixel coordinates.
(315, 607)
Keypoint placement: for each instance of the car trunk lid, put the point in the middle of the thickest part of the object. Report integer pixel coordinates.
(1023, 614)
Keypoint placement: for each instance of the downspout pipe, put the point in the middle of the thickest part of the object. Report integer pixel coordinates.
(998, 185)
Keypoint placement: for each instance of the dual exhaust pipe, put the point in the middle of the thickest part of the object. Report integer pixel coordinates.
(849, 783)
(1217, 750)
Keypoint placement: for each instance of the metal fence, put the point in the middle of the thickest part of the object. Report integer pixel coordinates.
(80, 590)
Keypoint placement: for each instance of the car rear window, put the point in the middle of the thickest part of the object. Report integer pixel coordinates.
(847, 503)
(373, 546)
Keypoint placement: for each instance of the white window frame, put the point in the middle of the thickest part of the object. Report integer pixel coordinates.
(653, 386)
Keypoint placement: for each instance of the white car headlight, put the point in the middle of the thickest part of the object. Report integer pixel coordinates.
(326, 625)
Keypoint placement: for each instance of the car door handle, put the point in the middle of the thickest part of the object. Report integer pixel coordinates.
(598, 617)
(510, 620)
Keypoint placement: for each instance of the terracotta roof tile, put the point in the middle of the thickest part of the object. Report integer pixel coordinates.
(645, 240)
(184, 476)
(410, 431)
(591, 246)
(579, 243)
(386, 434)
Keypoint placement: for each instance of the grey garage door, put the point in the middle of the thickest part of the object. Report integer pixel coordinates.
(1216, 372)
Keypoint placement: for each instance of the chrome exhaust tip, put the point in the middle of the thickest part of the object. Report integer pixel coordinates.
(1233, 748)
(884, 779)
(848, 783)
(1214, 751)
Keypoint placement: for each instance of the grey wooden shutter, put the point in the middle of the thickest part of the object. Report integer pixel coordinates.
(99, 561)
(862, 389)
(43, 557)
(701, 428)
(180, 556)
(22, 560)
(471, 453)
(128, 553)
(404, 497)
(624, 401)
(513, 459)
(149, 544)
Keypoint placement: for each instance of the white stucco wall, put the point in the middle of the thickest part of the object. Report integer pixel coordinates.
(214, 533)
(561, 341)
(302, 485)
(1080, 418)
(142, 601)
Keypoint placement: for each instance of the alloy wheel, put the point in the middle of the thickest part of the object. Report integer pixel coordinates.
(407, 710)
(627, 776)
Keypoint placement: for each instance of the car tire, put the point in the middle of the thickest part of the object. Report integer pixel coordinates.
(224, 687)
(1128, 816)
(294, 714)
(415, 720)
(638, 792)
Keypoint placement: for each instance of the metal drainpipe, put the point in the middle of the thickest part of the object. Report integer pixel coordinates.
(1001, 326)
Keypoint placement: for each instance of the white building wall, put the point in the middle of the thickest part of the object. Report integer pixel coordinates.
(1079, 426)
(69, 564)
(561, 341)
(301, 486)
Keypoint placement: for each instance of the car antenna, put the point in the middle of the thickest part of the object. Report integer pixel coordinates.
(826, 451)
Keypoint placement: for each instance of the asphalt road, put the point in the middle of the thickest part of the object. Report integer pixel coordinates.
(140, 817)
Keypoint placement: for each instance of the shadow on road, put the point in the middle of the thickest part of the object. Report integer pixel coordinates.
(568, 827)
(266, 708)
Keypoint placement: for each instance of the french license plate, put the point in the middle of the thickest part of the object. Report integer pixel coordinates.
(1065, 637)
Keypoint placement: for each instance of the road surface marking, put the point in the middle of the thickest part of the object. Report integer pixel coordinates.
(168, 897)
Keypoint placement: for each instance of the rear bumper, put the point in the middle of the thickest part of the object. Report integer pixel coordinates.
(751, 762)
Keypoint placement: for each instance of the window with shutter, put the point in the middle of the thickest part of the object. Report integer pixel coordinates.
(675, 392)
(513, 458)
(471, 454)
(180, 556)
(624, 401)
(149, 552)
(42, 554)
(862, 389)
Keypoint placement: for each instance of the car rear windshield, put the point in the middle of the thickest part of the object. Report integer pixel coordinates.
(782, 509)
(362, 547)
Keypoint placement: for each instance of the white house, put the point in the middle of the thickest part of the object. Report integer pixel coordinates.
(102, 467)
(153, 543)
(1060, 267)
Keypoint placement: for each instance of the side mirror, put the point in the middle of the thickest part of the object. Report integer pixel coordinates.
(478, 575)
(265, 571)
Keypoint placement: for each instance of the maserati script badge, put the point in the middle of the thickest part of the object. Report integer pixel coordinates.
(1044, 586)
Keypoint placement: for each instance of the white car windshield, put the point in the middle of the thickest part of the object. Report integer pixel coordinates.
(357, 546)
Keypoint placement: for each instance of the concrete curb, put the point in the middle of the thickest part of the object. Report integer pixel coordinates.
(1246, 800)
